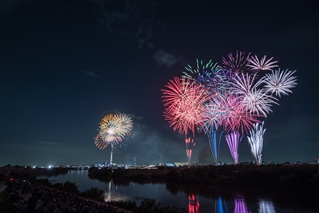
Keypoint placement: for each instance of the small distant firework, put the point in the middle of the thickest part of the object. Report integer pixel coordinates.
(113, 129)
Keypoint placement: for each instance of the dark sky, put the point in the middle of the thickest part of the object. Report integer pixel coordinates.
(65, 64)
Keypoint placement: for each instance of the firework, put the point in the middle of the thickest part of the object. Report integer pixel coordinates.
(184, 102)
(279, 82)
(255, 64)
(233, 115)
(258, 102)
(233, 140)
(256, 142)
(113, 129)
(242, 84)
(99, 143)
(214, 144)
(201, 70)
(228, 96)
(189, 143)
(238, 64)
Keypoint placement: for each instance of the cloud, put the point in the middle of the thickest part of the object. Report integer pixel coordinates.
(144, 34)
(92, 74)
(7, 5)
(164, 58)
(120, 18)
(85, 103)
(136, 117)
(125, 18)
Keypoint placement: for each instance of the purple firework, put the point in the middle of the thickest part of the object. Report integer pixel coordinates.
(233, 140)
(240, 206)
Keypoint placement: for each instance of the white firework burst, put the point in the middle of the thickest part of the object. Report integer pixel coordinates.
(258, 102)
(280, 82)
(244, 84)
(255, 64)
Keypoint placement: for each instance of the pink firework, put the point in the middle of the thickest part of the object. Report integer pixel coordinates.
(234, 115)
(184, 102)
(258, 102)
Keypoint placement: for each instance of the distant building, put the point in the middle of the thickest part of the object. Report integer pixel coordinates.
(181, 164)
(177, 164)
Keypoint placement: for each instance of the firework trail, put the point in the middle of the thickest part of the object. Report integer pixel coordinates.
(256, 142)
(233, 140)
(189, 143)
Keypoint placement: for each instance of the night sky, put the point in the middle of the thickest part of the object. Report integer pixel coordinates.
(65, 64)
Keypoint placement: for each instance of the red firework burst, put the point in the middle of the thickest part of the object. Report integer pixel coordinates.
(184, 102)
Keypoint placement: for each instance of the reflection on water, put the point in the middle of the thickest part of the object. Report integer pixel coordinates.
(266, 206)
(193, 204)
(240, 205)
(113, 194)
(196, 199)
(221, 206)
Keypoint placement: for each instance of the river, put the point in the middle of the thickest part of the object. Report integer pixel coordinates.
(197, 199)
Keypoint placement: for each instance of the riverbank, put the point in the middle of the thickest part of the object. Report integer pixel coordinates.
(24, 191)
(297, 178)
(25, 196)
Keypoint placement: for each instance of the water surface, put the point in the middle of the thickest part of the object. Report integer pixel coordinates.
(197, 199)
